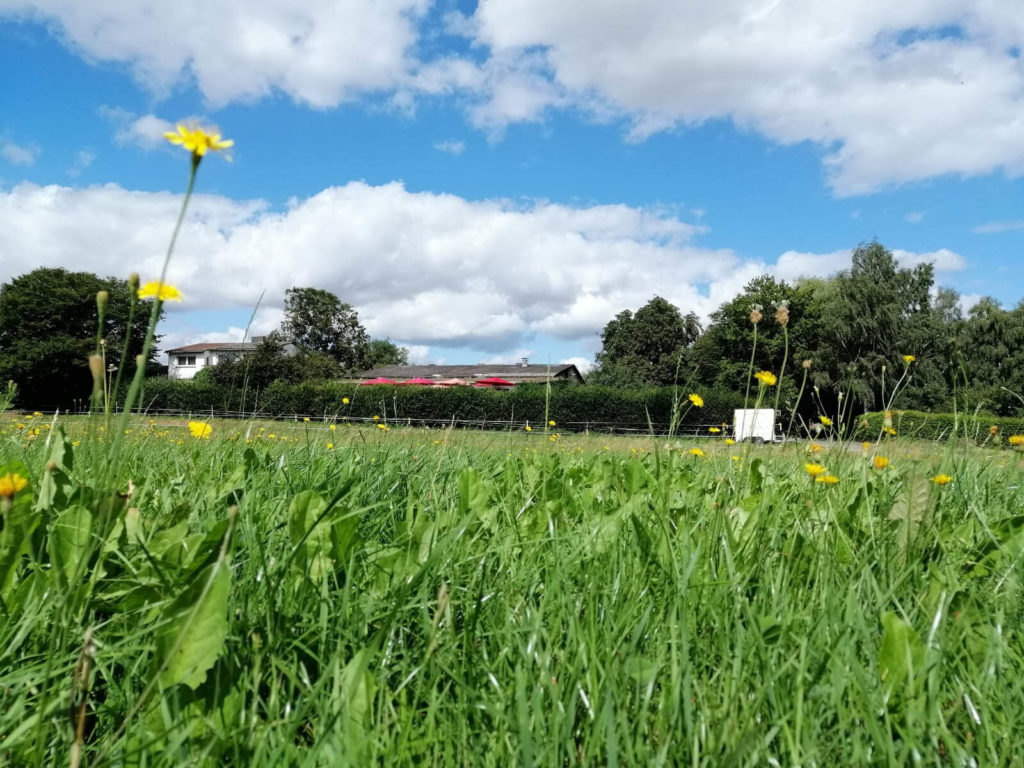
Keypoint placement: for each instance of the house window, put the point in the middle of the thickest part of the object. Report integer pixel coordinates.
(186, 360)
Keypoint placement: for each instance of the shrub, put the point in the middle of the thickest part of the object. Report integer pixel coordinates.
(571, 407)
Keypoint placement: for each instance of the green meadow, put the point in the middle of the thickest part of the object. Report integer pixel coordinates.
(290, 594)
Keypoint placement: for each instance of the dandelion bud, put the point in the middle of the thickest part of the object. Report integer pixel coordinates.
(755, 314)
(96, 367)
(102, 297)
(807, 364)
(140, 361)
(782, 316)
(133, 281)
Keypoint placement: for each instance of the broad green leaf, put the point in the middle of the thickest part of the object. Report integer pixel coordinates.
(473, 497)
(195, 629)
(901, 654)
(70, 540)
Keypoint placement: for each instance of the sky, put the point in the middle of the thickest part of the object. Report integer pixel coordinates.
(485, 181)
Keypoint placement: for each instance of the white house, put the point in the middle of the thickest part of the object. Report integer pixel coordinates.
(185, 362)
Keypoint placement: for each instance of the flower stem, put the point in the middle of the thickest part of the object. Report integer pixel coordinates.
(140, 367)
(750, 369)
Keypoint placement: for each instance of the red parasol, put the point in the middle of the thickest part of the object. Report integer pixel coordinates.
(418, 380)
(378, 380)
(493, 381)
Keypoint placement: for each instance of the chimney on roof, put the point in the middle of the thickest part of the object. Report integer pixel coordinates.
(525, 362)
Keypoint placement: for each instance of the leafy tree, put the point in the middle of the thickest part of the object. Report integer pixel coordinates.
(722, 354)
(381, 352)
(990, 354)
(48, 321)
(645, 347)
(318, 321)
(877, 312)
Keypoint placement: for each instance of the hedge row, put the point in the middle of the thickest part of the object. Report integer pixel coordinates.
(572, 407)
(941, 426)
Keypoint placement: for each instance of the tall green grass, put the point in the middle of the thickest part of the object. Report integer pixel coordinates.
(426, 597)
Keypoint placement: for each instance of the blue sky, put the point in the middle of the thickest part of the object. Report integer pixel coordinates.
(487, 181)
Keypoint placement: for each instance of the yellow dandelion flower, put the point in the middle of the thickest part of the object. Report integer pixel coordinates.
(696, 452)
(714, 430)
(344, 401)
(330, 446)
(993, 430)
(942, 479)
(382, 426)
(697, 400)
(198, 140)
(200, 429)
(376, 418)
(814, 469)
(161, 291)
(306, 419)
(11, 484)
(737, 458)
(865, 446)
(551, 423)
(1015, 439)
(766, 377)
(730, 441)
(880, 462)
(908, 359)
(826, 479)
(815, 448)
(825, 420)
(529, 428)
(333, 427)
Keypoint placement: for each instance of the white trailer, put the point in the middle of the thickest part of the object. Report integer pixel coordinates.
(754, 424)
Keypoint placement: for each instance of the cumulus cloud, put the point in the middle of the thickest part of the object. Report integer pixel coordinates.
(423, 269)
(319, 52)
(889, 94)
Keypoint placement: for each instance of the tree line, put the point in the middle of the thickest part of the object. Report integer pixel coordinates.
(855, 335)
(49, 328)
(848, 340)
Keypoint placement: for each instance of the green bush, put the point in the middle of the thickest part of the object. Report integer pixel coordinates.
(939, 426)
(574, 408)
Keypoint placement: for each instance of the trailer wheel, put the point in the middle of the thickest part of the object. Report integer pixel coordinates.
(757, 440)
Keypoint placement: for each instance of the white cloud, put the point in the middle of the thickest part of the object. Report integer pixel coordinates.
(17, 154)
(889, 94)
(145, 131)
(509, 358)
(83, 159)
(423, 269)
(792, 265)
(582, 363)
(998, 226)
(914, 217)
(451, 147)
(319, 52)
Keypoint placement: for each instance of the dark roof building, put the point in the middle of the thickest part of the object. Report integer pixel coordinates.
(519, 373)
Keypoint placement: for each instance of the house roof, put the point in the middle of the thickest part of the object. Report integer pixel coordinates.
(530, 372)
(222, 346)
